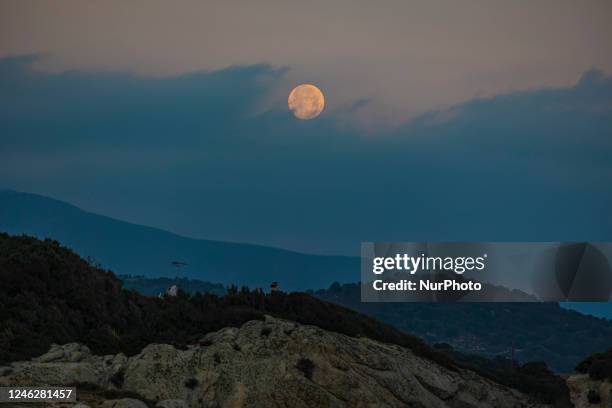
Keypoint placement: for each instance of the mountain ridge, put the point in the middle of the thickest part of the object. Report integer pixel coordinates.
(142, 250)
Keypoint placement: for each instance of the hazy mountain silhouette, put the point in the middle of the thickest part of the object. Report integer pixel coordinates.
(139, 250)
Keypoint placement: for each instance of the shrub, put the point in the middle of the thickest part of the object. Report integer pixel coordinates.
(306, 366)
(444, 347)
(598, 366)
(191, 383)
(594, 397)
(537, 380)
(117, 379)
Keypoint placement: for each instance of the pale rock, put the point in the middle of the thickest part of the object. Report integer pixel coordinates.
(256, 366)
(124, 403)
(175, 403)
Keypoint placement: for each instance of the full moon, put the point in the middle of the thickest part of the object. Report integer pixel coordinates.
(306, 101)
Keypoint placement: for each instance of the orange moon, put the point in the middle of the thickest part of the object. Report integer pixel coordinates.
(306, 101)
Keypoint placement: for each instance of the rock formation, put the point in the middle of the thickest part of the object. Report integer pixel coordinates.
(263, 364)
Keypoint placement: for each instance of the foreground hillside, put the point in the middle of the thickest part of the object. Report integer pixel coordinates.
(536, 331)
(49, 295)
(138, 250)
(271, 363)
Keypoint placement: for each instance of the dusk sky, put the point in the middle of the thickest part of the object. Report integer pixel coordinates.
(476, 120)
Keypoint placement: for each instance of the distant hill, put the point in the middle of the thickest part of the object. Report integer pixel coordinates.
(138, 250)
(597, 309)
(536, 331)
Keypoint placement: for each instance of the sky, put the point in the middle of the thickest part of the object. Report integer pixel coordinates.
(405, 57)
(475, 120)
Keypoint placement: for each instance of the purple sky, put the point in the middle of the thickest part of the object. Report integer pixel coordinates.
(405, 57)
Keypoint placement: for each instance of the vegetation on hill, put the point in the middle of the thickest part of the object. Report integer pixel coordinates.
(598, 366)
(533, 378)
(492, 330)
(155, 286)
(48, 294)
(528, 331)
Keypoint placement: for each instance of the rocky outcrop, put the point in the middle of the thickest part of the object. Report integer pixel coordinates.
(266, 364)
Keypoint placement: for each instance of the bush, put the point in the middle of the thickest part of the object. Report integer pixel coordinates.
(117, 379)
(444, 347)
(306, 366)
(594, 397)
(537, 380)
(598, 366)
(191, 383)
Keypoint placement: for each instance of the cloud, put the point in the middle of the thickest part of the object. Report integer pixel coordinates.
(74, 108)
(408, 57)
(193, 154)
